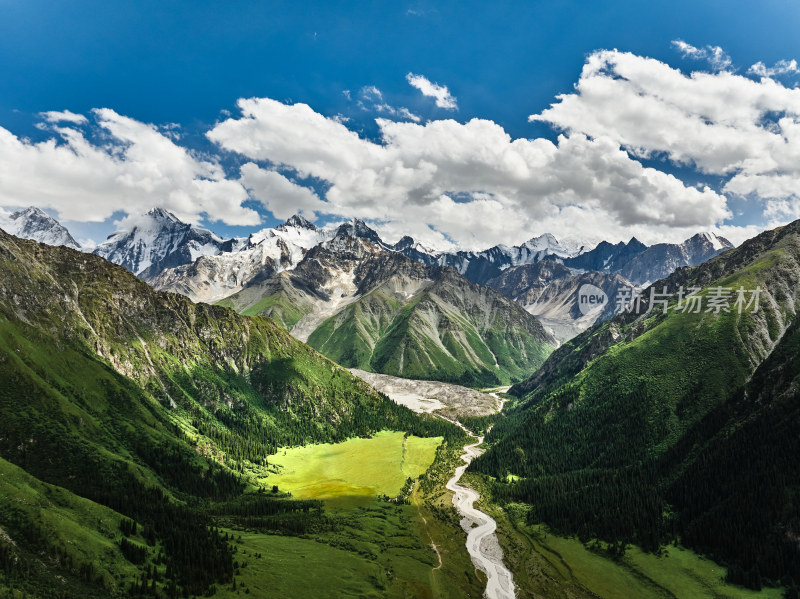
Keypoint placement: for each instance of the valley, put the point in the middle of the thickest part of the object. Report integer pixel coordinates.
(399, 300)
(220, 435)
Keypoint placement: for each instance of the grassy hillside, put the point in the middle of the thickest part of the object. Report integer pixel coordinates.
(118, 401)
(451, 331)
(610, 437)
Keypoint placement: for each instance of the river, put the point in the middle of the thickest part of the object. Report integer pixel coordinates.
(482, 543)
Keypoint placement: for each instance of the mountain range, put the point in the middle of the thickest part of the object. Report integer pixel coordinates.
(176, 256)
(378, 310)
(123, 404)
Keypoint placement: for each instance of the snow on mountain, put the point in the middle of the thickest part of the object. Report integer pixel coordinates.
(575, 246)
(158, 240)
(213, 271)
(717, 242)
(479, 267)
(33, 223)
(245, 260)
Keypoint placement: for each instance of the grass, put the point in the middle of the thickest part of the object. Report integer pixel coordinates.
(276, 306)
(548, 565)
(682, 573)
(294, 567)
(357, 467)
(373, 548)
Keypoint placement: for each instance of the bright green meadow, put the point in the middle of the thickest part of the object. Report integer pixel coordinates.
(358, 467)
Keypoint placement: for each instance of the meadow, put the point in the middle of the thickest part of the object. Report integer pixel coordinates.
(355, 468)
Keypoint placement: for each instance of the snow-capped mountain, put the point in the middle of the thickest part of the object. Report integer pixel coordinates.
(158, 240)
(248, 260)
(541, 274)
(33, 223)
(660, 260)
(480, 267)
(644, 264)
(367, 306)
(608, 257)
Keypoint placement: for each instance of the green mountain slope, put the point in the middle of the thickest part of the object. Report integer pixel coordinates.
(451, 330)
(736, 474)
(610, 433)
(153, 408)
(365, 307)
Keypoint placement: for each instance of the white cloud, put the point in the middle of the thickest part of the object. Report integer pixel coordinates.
(445, 181)
(371, 99)
(716, 56)
(782, 67)
(470, 181)
(278, 194)
(136, 168)
(55, 116)
(440, 93)
(747, 132)
(407, 114)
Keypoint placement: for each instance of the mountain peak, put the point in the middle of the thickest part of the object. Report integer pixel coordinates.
(635, 243)
(31, 211)
(300, 222)
(358, 228)
(34, 223)
(162, 214)
(405, 243)
(150, 242)
(717, 242)
(548, 238)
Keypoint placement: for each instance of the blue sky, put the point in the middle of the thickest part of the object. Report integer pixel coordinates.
(187, 62)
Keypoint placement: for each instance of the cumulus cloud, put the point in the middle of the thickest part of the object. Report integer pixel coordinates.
(278, 194)
(439, 93)
(723, 124)
(469, 182)
(449, 183)
(55, 116)
(135, 168)
(782, 67)
(714, 55)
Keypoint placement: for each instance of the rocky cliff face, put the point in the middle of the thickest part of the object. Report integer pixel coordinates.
(607, 256)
